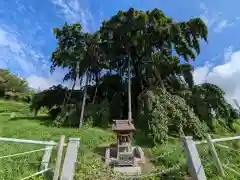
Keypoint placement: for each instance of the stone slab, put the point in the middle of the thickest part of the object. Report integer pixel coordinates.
(128, 170)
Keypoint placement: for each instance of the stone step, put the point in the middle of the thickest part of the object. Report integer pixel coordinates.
(128, 170)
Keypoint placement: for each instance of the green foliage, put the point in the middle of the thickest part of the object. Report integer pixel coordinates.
(23, 97)
(80, 53)
(11, 82)
(24, 126)
(209, 103)
(147, 39)
(68, 115)
(13, 87)
(68, 51)
(77, 51)
(116, 105)
(89, 164)
(98, 114)
(168, 72)
(55, 96)
(161, 113)
(49, 98)
(133, 35)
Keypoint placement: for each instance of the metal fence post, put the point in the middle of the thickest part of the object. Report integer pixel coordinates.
(70, 159)
(194, 162)
(59, 158)
(215, 156)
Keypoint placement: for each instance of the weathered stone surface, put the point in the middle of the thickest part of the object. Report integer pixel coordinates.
(128, 170)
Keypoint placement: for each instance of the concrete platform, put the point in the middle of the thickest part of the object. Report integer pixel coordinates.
(128, 170)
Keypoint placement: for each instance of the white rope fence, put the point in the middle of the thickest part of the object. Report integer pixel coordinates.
(226, 147)
(23, 153)
(36, 174)
(232, 170)
(226, 166)
(68, 168)
(194, 155)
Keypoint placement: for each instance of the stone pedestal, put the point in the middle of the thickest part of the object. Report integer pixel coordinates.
(128, 170)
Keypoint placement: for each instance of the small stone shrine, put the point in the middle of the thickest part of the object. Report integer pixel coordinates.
(124, 157)
(124, 130)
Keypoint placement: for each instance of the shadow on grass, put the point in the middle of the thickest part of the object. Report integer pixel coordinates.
(48, 175)
(142, 140)
(176, 174)
(44, 119)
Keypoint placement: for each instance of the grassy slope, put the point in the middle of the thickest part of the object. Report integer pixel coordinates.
(89, 161)
(35, 129)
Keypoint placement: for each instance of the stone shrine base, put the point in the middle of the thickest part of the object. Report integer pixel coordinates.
(128, 170)
(135, 169)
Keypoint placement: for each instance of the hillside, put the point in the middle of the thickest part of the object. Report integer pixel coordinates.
(26, 127)
(137, 66)
(23, 125)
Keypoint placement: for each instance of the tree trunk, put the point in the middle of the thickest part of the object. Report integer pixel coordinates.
(138, 76)
(129, 90)
(83, 101)
(95, 94)
(73, 86)
(159, 78)
(96, 89)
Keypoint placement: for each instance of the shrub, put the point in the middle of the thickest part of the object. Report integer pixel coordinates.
(94, 114)
(161, 113)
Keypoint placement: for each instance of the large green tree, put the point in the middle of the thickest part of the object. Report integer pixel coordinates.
(132, 36)
(80, 53)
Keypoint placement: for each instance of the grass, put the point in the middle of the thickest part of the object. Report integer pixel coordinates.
(25, 127)
(89, 164)
(172, 153)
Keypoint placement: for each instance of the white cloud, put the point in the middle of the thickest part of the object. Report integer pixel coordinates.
(225, 75)
(200, 74)
(215, 19)
(21, 46)
(228, 53)
(22, 58)
(41, 83)
(222, 25)
(75, 11)
(209, 17)
(15, 53)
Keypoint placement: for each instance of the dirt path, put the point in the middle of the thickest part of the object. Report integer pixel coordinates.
(148, 166)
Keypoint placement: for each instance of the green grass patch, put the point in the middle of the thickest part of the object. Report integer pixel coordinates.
(24, 126)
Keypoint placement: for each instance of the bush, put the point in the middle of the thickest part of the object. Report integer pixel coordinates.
(22, 97)
(161, 113)
(98, 114)
(94, 115)
(11, 96)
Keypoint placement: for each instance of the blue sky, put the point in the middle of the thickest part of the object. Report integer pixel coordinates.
(26, 39)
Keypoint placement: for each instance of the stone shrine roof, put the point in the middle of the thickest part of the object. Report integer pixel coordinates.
(123, 125)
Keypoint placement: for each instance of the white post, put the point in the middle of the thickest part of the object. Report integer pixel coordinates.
(46, 158)
(194, 162)
(70, 159)
(107, 157)
(59, 158)
(215, 156)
